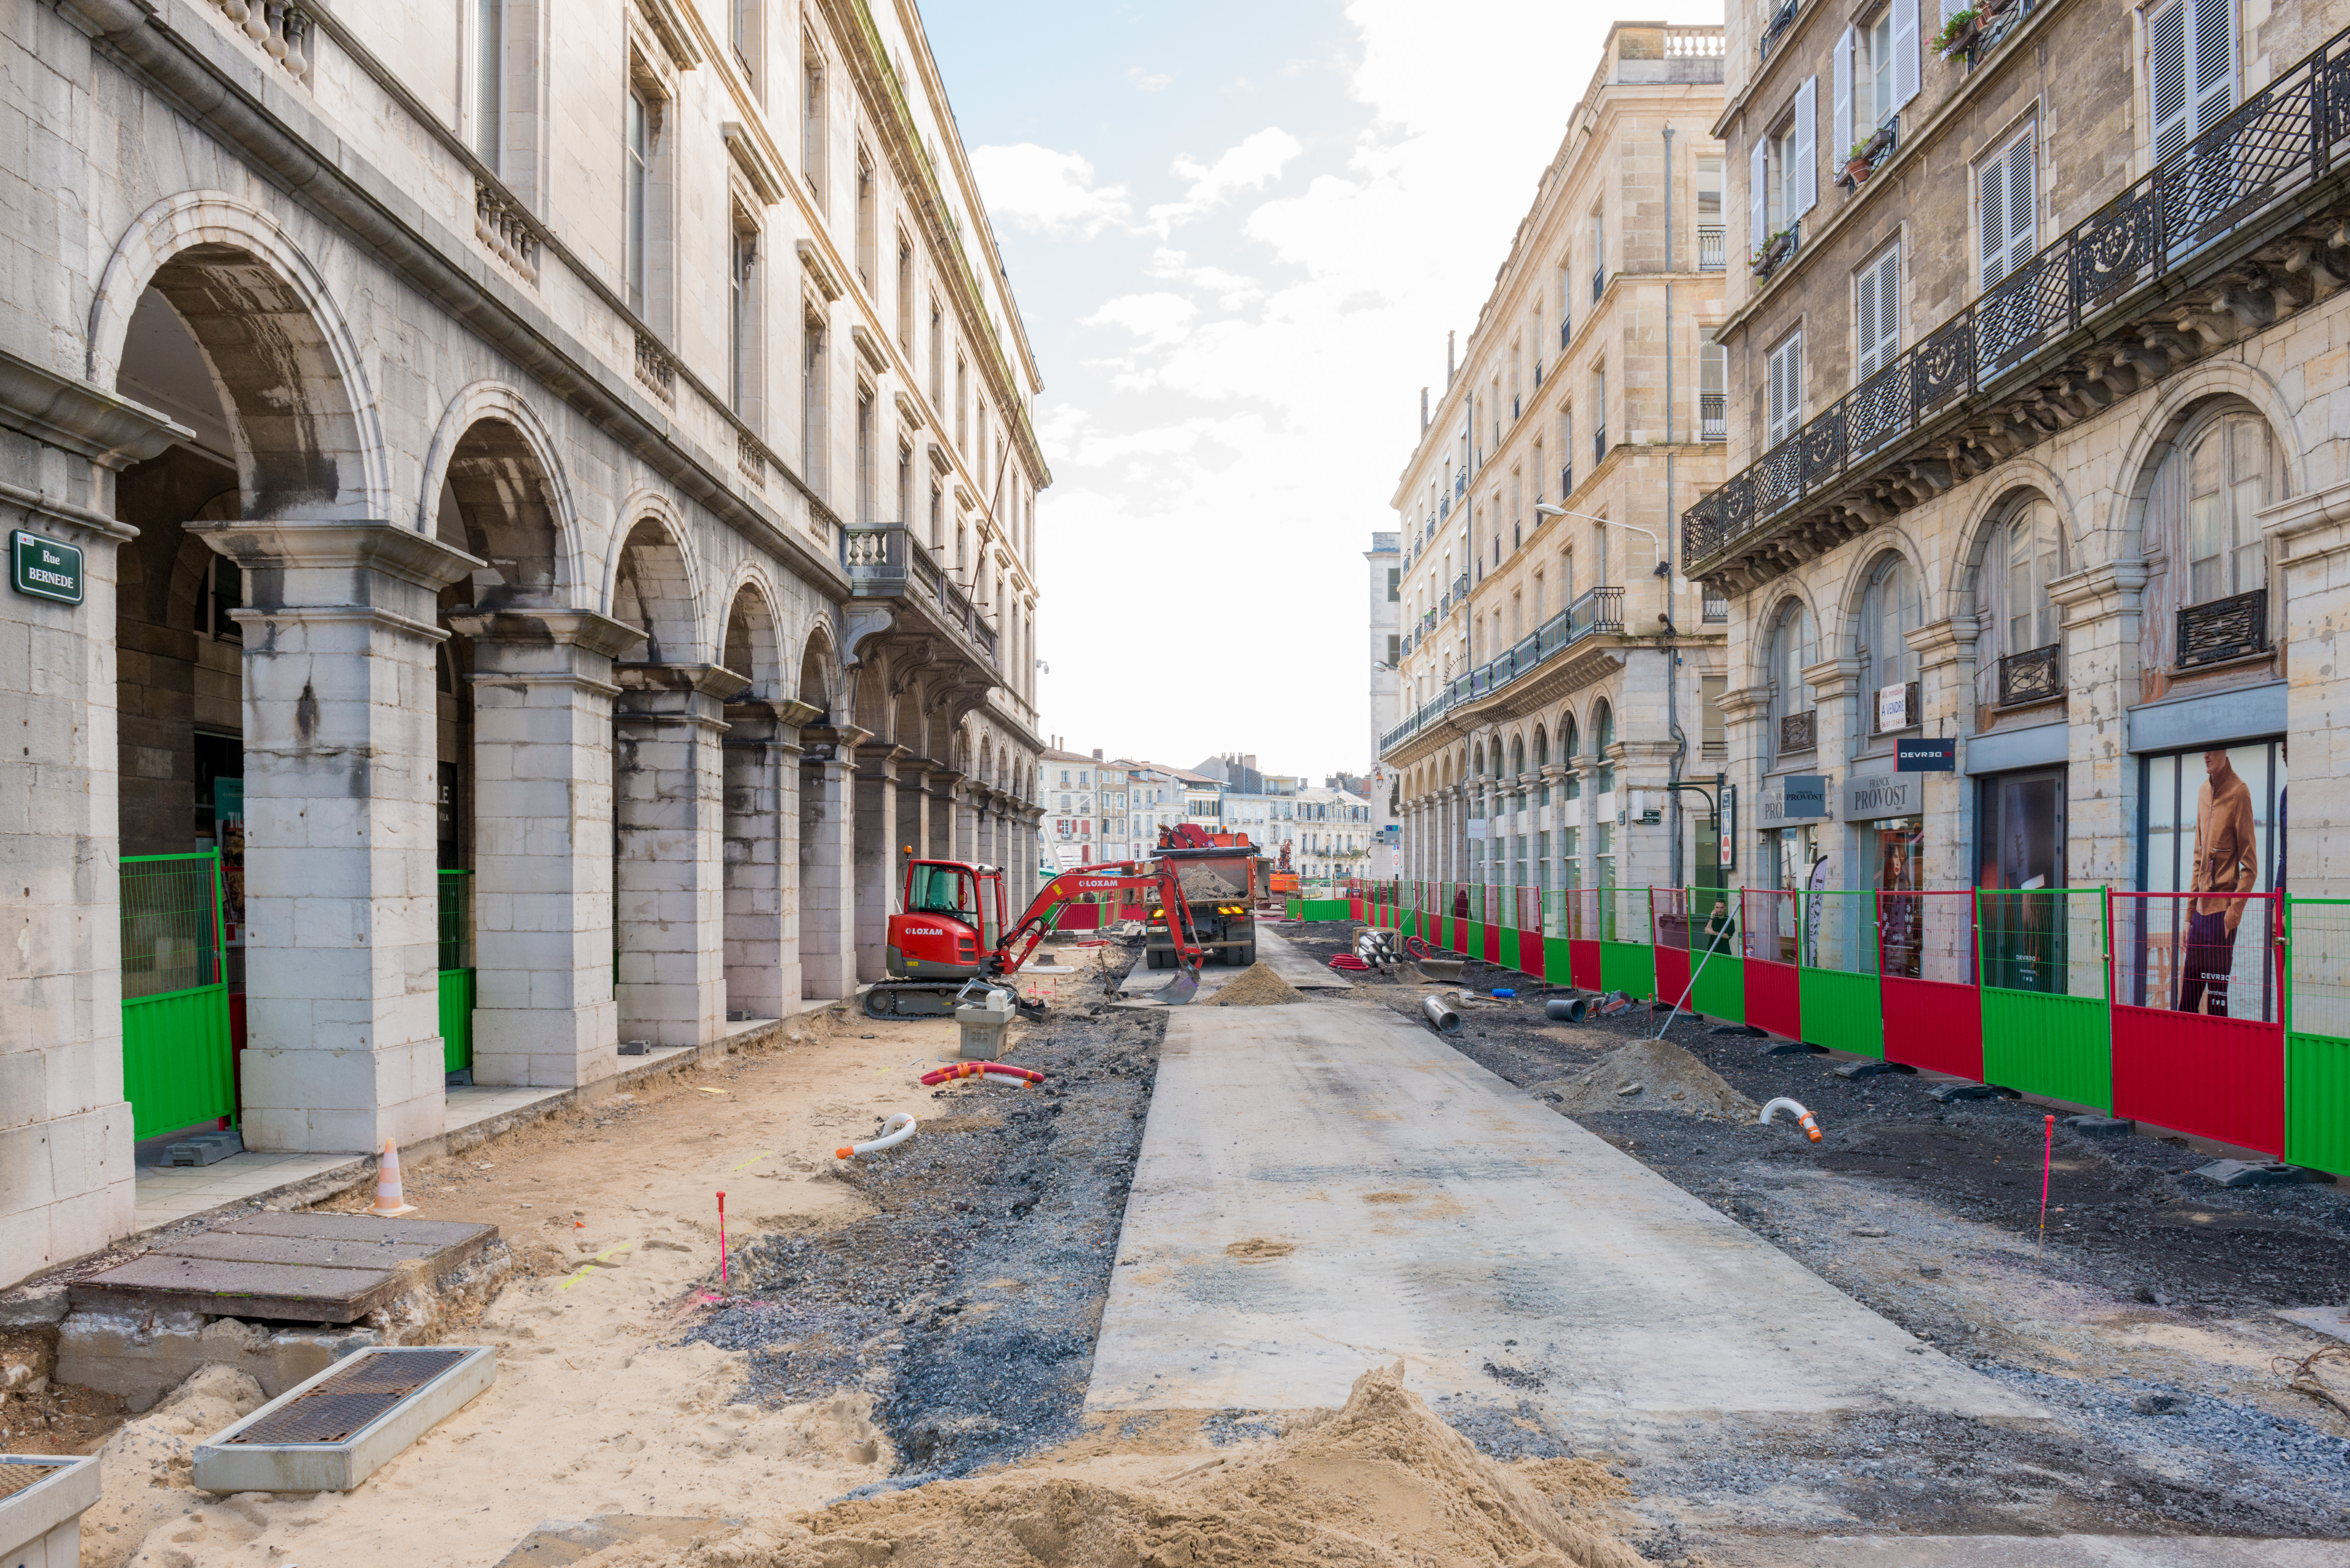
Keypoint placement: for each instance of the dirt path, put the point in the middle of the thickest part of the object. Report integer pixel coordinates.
(625, 1386)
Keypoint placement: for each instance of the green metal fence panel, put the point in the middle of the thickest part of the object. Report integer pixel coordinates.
(1627, 954)
(1628, 967)
(1717, 972)
(178, 1066)
(456, 1020)
(2047, 1012)
(2317, 1034)
(1323, 910)
(1837, 984)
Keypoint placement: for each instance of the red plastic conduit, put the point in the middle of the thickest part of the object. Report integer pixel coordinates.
(974, 1069)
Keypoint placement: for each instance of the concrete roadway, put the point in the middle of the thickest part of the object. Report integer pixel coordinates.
(1271, 949)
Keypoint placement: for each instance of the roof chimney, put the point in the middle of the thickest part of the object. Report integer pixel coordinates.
(1447, 358)
(1097, 753)
(1423, 410)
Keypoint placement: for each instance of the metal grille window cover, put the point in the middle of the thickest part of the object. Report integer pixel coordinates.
(1799, 732)
(2220, 630)
(2280, 140)
(2032, 676)
(2174, 951)
(350, 1399)
(2050, 940)
(171, 923)
(2318, 958)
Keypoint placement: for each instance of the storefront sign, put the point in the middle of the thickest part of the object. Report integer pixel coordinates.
(1893, 707)
(1884, 795)
(1794, 797)
(45, 568)
(1922, 754)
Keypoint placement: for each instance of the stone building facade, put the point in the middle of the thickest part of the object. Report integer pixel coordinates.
(1555, 667)
(554, 490)
(2037, 446)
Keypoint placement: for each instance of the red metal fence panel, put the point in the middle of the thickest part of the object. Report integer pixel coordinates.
(1926, 967)
(2198, 1029)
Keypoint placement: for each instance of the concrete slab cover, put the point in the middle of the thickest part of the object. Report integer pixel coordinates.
(1433, 1211)
(223, 1463)
(317, 1268)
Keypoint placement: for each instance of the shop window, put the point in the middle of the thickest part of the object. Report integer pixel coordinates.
(1891, 609)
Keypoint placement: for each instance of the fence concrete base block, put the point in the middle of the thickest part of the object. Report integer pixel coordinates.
(2101, 1126)
(222, 1465)
(2245, 1173)
(1870, 1068)
(140, 1356)
(1946, 1093)
(1743, 1031)
(41, 1526)
(1791, 1048)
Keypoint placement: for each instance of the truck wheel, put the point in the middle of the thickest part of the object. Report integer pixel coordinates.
(1244, 956)
(1155, 959)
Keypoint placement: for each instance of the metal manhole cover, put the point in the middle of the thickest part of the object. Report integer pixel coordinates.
(348, 1399)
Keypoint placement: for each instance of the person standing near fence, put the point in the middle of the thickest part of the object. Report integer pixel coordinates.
(2227, 861)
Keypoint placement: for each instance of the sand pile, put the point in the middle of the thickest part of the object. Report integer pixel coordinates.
(1670, 1079)
(1380, 1483)
(1257, 986)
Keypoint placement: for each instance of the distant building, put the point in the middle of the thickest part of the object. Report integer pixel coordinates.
(1385, 591)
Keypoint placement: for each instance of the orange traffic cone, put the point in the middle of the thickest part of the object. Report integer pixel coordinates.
(388, 1199)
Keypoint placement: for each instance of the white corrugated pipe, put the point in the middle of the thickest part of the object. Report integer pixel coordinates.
(1811, 1126)
(895, 1131)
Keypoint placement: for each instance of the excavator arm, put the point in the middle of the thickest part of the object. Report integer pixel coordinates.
(1154, 878)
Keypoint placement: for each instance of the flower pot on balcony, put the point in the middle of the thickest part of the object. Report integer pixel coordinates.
(1773, 252)
(1858, 171)
(1957, 35)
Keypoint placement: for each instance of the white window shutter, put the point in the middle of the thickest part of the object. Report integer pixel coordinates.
(1864, 321)
(2170, 64)
(1991, 218)
(1807, 145)
(2215, 61)
(1758, 195)
(1906, 48)
(2023, 208)
(1840, 149)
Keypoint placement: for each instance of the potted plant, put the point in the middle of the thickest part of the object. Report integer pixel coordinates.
(1858, 164)
(1772, 250)
(1957, 33)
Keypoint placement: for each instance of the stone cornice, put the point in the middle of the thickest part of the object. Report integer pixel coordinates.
(289, 544)
(54, 511)
(1950, 640)
(2096, 592)
(2311, 527)
(694, 679)
(588, 629)
(70, 414)
(1832, 677)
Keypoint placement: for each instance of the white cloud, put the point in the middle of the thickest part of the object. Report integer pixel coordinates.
(1249, 164)
(1049, 192)
(1153, 83)
(1156, 320)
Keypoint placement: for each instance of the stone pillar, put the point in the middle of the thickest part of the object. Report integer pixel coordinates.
(914, 840)
(966, 816)
(940, 785)
(875, 840)
(1945, 687)
(763, 861)
(669, 868)
(2309, 538)
(342, 900)
(544, 1013)
(827, 856)
(1837, 699)
(1745, 727)
(2102, 608)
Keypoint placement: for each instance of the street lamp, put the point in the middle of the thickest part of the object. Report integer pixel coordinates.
(1663, 567)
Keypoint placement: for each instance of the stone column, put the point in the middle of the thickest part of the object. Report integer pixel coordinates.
(669, 868)
(763, 825)
(914, 840)
(342, 900)
(827, 856)
(544, 1013)
(1745, 724)
(940, 785)
(1837, 699)
(875, 840)
(1946, 686)
(2309, 538)
(2102, 608)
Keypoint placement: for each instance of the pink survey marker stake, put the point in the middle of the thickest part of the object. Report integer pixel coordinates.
(2047, 1157)
(722, 1239)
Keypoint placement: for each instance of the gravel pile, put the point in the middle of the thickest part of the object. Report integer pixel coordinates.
(1256, 986)
(1646, 1076)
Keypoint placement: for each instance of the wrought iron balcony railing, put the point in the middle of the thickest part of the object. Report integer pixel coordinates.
(1779, 23)
(1799, 731)
(2034, 675)
(1716, 610)
(885, 562)
(2217, 631)
(2090, 283)
(1601, 610)
(1461, 587)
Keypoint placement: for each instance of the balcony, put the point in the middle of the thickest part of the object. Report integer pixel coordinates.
(2030, 677)
(1716, 608)
(1867, 156)
(2219, 632)
(1780, 22)
(2225, 237)
(1461, 587)
(1713, 416)
(1776, 252)
(885, 561)
(1711, 254)
(1565, 480)
(1598, 612)
(1799, 731)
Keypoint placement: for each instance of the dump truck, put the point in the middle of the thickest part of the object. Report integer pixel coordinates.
(1219, 872)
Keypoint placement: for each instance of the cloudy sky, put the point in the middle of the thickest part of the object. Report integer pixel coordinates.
(1238, 234)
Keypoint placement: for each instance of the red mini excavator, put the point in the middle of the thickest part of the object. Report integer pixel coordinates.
(949, 929)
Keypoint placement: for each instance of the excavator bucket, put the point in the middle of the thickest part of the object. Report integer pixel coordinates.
(1182, 988)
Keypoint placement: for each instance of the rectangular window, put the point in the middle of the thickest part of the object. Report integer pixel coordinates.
(1710, 253)
(2006, 207)
(1395, 584)
(1712, 392)
(742, 321)
(1394, 650)
(1598, 415)
(906, 486)
(962, 404)
(749, 39)
(1786, 378)
(938, 357)
(868, 239)
(489, 82)
(1877, 313)
(906, 296)
(938, 518)
(2194, 68)
(812, 120)
(639, 197)
(813, 392)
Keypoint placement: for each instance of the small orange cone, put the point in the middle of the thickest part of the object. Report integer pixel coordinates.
(388, 1199)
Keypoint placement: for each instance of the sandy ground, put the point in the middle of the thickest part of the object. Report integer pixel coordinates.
(599, 1407)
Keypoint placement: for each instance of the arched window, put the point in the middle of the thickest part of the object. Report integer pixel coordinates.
(1603, 736)
(1889, 610)
(1794, 727)
(2229, 480)
(1517, 757)
(1542, 761)
(1566, 738)
(2021, 625)
(2201, 523)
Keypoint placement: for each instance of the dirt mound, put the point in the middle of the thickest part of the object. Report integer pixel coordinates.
(1380, 1483)
(1257, 986)
(1668, 1079)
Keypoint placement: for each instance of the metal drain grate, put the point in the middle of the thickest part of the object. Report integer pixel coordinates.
(345, 1401)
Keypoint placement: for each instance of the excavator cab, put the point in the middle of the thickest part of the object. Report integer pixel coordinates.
(950, 918)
